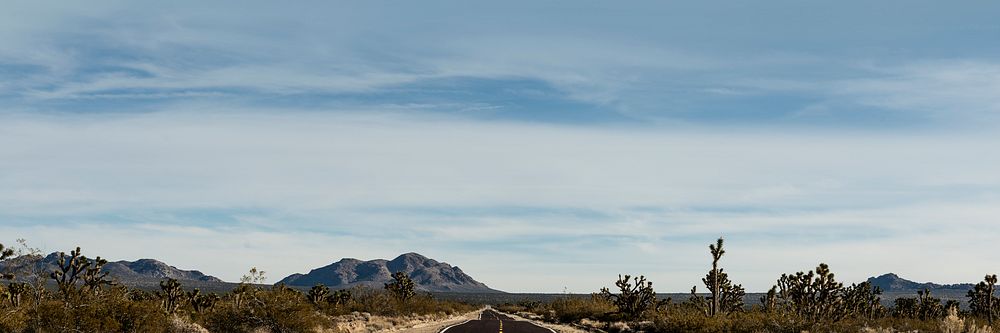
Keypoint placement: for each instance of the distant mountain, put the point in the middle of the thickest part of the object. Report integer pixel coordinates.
(892, 282)
(427, 274)
(139, 272)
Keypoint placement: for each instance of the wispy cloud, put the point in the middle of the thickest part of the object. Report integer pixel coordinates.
(648, 72)
(345, 177)
(942, 90)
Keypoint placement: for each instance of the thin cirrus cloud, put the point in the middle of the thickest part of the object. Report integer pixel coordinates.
(529, 134)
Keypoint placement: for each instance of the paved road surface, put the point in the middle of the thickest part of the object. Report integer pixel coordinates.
(491, 321)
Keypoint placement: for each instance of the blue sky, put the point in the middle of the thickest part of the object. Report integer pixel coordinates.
(571, 141)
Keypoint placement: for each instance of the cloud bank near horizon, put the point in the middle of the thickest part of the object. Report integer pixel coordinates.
(596, 140)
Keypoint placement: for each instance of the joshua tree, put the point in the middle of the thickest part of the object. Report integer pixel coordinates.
(929, 307)
(240, 293)
(201, 302)
(13, 297)
(4, 254)
(339, 297)
(401, 286)
(699, 302)
(814, 295)
(283, 288)
(713, 285)
(170, 295)
(729, 297)
(906, 307)
(770, 300)
(94, 278)
(863, 300)
(14, 293)
(982, 299)
(951, 304)
(635, 297)
(725, 296)
(77, 268)
(255, 276)
(318, 293)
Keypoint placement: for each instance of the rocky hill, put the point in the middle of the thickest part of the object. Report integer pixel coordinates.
(893, 283)
(139, 272)
(427, 274)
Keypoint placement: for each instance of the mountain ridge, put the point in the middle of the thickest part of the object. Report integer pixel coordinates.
(427, 274)
(893, 282)
(138, 272)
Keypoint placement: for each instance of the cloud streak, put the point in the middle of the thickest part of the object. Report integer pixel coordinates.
(349, 178)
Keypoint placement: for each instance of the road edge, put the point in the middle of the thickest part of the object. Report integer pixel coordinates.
(555, 328)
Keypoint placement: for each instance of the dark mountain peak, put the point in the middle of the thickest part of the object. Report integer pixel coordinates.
(892, 282)
(348, 260)
(411, 256)
(427, 274)
(152, 268)
(410, 262)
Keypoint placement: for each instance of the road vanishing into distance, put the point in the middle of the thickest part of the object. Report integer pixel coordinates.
(491, 321)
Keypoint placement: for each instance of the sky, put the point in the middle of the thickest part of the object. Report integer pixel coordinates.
(541, 146)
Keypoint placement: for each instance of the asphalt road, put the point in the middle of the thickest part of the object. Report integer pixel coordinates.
(491, 321)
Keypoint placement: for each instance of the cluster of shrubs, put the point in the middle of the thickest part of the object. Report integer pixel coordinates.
(811, 301)
(80, 297)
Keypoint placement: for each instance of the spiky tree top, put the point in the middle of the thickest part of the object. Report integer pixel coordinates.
(863, 300)
(982, 299)
(77, 268)
(170, 295)
(814, 295)
(717, 252)
(401, 287)
(201, 302)
(4, 254)
(318, 294)
(339, 297)
(635, 297)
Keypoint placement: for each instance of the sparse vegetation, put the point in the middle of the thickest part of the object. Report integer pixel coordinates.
(85, 300)
(812, 301)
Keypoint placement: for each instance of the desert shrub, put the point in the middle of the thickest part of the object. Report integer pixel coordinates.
(385, 303)
(111, 311)
(373, 301)
(13, 320)
(571, 309)
(279, 309)
(424, 304)
(685, 318)
(522, 306)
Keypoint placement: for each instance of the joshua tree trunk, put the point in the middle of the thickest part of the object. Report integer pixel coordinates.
(991, 280)
(717, 253)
